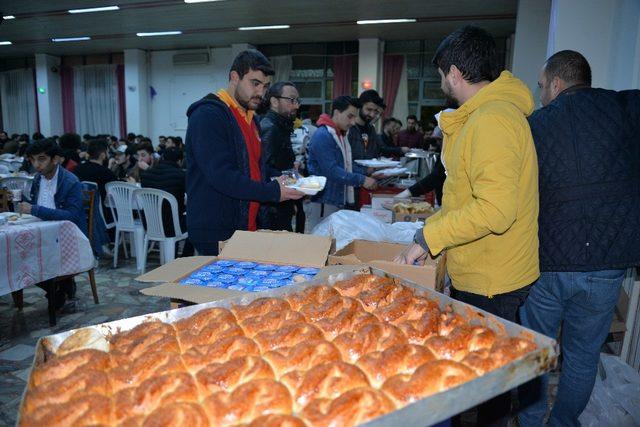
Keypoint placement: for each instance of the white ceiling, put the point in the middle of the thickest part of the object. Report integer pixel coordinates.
(215, 23)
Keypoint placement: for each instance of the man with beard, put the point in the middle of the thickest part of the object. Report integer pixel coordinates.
(276, 127)
(226, 175)
(390, 128)
(411, 137)
(362, 136)
(488, 223)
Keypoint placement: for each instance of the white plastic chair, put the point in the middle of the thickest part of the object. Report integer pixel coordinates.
(4, 169)
(150, 201)
(18, 183)
(121, 204)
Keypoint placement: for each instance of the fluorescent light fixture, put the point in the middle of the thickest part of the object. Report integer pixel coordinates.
(70, 39)
(384, 21)
(199, 1)
(94, 9)
(159, 33)
(6, 43)
(265, 27)
(8, 17)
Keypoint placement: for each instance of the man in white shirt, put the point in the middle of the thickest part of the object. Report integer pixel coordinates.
(58, 197)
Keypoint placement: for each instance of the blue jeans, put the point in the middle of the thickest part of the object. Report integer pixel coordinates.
(583, 304)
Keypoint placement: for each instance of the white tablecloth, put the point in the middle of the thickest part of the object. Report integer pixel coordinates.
(38, 251)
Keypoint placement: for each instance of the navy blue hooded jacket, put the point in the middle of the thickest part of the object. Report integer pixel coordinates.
(219, 185)
(588, 146)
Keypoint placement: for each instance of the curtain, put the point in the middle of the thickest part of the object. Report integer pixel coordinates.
(122, 110)
(282, 66)
(342, 71)
(391, 74)
(95, 96)
(17, 93)
(68, 108)
(401, 104)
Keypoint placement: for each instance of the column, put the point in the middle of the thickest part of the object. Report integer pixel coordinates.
(370, 63)
(530, 46)
(136, 82)
(49, 94)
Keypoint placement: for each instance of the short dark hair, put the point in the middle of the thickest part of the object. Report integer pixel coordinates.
(86, 136)
(251, 59)
(343, 102)
(472, 50)
(412, 117)
(162, 137)
(146, 147)
(172, 155)
(388, 120)
(398, 121)
(372, 95)
(95, 147)
(70, 141)
(569, 66)
(37, 136)
(47, 146)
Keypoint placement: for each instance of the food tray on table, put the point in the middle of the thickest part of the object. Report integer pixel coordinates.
(14, 218)
(426, 411)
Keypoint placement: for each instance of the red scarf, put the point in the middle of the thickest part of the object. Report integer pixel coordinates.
(252, 141)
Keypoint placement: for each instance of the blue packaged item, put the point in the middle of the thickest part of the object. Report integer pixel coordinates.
(247, 281)
(225, 263)
(260, 288)
(273, 283)
(279, 275)
(246, 264)
(309, 271)
(258, 273)
(212, 268)
(235, 271)
(236, 287)
(227, 278)
(287, 268)
(202, 275)
(266, 267)
(192, 281)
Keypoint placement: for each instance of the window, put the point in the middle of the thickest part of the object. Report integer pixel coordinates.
(312, 72)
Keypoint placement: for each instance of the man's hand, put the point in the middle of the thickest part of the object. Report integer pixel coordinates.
(287, 193)
(24, 208)
(112, 162)
(370, 183)
(142, 165)
(413, 254)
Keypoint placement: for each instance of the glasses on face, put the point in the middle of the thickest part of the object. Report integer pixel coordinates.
(291, 100)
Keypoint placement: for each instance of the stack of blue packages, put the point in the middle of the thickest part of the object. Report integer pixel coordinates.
(248, 276)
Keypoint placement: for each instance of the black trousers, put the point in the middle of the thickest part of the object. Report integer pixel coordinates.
(281, 216)
(495, 412)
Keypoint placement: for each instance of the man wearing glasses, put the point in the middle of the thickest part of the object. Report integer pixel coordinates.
(281, 104)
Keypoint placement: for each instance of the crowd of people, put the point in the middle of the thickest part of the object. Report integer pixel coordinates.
(531, 235)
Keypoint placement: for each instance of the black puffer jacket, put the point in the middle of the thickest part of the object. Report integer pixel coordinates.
(275, 134)
(588, 146)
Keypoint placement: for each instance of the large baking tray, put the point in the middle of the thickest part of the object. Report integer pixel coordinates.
(427, 411)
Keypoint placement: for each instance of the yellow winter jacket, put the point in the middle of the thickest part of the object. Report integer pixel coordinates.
(489, 218)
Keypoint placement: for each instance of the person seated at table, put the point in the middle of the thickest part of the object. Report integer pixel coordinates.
(94, 170)
(146, 160)
(57, 196)
(168, 176)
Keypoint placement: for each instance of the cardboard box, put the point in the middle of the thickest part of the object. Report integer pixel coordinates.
(380, 255)
(383, 215)
(268, 247)
(377, 200)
